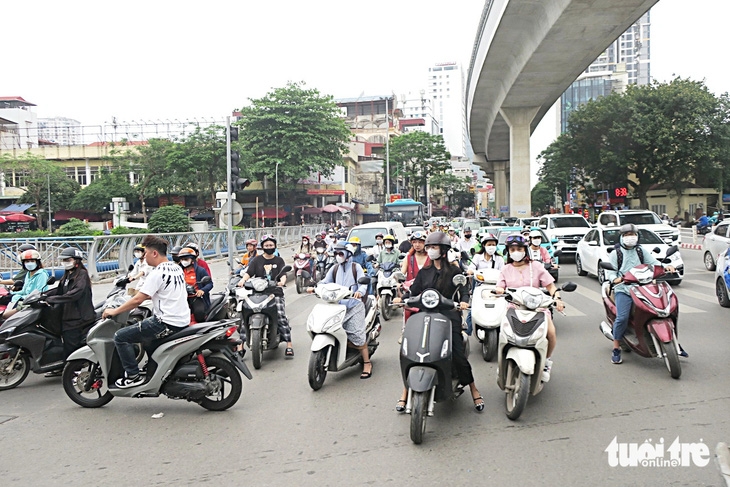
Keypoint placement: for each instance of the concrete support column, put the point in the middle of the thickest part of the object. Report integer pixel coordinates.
(519, 120)
(501, 187)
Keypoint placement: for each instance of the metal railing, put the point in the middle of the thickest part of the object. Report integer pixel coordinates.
(106, 254)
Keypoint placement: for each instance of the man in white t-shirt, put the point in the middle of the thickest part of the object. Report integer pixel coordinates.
(165, 285)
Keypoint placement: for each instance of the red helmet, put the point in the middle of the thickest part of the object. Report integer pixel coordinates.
(252, 241)
(306, 236)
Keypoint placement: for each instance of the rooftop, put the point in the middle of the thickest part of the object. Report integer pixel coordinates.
(14, 101)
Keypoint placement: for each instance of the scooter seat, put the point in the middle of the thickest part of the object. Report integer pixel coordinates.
(216, 299)
(187, 331)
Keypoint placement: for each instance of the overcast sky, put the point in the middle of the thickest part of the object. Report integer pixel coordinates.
(157, 60)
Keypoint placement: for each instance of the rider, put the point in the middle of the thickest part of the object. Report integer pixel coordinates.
(269, 266)
(174, 253)
(165, 285)
(438, 275)
(633, 255)
(415, 260)
(36, 279)
(74, 295)
(193, 275)
(200, 262)
(453, 237)
(538, 253)
(378, 247)
(140, 271)
(484, 258)
(20, 276)
(520, 271)
(465, 243)
(346, 273)
(250, 252)
(389, 252)
(703, 224)
(305, 247)
(319, 243)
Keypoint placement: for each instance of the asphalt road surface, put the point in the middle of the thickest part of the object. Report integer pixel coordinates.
(281, 432)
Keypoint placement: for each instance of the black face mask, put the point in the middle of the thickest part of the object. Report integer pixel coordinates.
(269, 251)
(467, 235)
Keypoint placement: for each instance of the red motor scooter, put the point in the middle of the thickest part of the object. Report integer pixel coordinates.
(652, 328)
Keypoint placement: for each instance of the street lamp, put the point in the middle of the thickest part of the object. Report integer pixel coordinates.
(277, 192)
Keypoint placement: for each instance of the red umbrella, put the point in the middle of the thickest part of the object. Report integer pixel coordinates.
(331, 209)
(2, 219)
(19, 217)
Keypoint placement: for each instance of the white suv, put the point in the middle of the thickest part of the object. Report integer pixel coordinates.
(567, 229)
(643, 219)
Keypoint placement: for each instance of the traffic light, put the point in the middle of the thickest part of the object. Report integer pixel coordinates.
(237, 182)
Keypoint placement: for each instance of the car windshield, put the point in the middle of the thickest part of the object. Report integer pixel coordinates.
(570, 221)
(640, 219)
(646, 237)
(367, 235)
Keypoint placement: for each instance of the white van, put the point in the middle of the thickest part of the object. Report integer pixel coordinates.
(366, 232)
(567, 229)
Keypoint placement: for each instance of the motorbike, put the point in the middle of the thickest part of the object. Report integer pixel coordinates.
(487, 310)
(303, 266)
(197, 364)
(651, 331)
(322, 263)
(523, 345)
(330, 352)
(426, 357)
(259, 317)
(388, 282)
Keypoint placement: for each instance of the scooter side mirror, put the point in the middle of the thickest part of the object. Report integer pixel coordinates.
(656, 250)
(568, 287)
(610, 249)
(401, 256)
(607, 266)
(399, 276)
(370, 258)
(286, 269)
(459, 280)
(18, 285)
(131, 267)
(672, 250)
(464, 255)
(364, 280)
(206, 280)
(557, 253)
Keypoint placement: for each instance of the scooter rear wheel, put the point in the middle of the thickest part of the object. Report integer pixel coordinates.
(300, 284)
(671, 359)
(74, 377)
(317, 373)
(419, 413)
(489, 345)
(17, 375)
(518, 389)
(226, 373)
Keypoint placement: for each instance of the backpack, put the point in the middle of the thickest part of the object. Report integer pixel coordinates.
(620, 255)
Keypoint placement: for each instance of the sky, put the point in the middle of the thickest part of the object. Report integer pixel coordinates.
(166, 60)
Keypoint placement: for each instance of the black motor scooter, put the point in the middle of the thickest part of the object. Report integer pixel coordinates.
(426, 357)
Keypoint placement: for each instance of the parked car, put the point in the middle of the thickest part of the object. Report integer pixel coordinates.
(366, 232)
(593, 249)
(722, 286)
(715, 243)
(642, 219)
(566, 228)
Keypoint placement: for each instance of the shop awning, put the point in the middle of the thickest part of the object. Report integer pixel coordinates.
(16, 208)
(311, 211)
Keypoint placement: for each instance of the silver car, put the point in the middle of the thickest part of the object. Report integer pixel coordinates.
(715, 243)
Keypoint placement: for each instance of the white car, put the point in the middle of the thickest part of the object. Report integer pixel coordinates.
(566, 228)
(715, 243)
(593, 250)
(645, 219)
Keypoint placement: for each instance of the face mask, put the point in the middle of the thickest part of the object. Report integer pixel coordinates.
(186, 262)
(68, 264)
(138, 255)
(31, 266)
(467, 236)
(491, 250)
(433, 254)
(389, 245)
(340, 259)
(517, 256)
(536, 242)
(630, 241)
(269, 251)
(379, 241)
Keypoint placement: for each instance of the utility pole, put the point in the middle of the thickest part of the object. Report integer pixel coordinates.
(387, 154)
(50, 228)
(229, 201)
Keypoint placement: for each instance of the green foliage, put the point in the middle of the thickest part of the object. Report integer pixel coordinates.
(295, 126)
(457, 190)
(543, 197)
(420, 156)
(127, 230)
(169, 219)
(23, 235)
(97, 195)
(199, 161)
(74, 228)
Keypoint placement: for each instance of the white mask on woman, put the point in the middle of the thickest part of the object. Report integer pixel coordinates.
(433, 254)
(138, 255)
(491, 249)
(536, 242)
(630, 241)
(340, 259)
(517, 255)
(186, 262)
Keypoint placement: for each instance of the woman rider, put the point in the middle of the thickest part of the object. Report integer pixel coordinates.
(36, 279)
(520, 271)
(485, 258)
(438, 275)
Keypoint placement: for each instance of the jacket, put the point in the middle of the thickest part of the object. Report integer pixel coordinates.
(200, 273)
(35, 282)
(74, 294)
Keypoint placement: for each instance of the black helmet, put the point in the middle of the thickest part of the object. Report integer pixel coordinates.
(71, 253)
(628, 228)
(26, 246)
(174, 252)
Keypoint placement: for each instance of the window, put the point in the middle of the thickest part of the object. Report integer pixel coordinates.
(70, 172)
(94, 172)
(21, 178)
(81, 176)
(659, 209)
(721, 230)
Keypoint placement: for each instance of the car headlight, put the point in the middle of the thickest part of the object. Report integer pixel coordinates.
(430, 299)
(259, 285)
(531, 301)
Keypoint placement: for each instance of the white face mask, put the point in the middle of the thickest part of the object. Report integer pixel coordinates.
(630, 241)
(186, 262)
(30, 266)
(491, 250)
(340, 259)
(517, 256)
(379, 242)
(68, 264)
(388, 245)
(433, 254)
(536, 242)
(138, 255)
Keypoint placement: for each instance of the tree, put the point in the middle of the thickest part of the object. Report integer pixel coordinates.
(97, 195)
(295, 126)
(169, 219)
(36, 175)
(199, 160)
(543, 196)
(420, 156)
(74, 228)
(151, 164)
(456, 188)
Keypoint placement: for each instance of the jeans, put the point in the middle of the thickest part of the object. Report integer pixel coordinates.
(623, 311)
(143, 332)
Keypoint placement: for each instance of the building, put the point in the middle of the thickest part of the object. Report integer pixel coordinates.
(446, 87)
(418, 113)
(632, 49)
(60, 130)
(591, 86)
(18, 123)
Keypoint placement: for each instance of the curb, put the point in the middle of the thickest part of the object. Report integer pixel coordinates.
(691, 246)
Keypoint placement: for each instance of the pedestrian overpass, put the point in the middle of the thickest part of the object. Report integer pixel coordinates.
(526, 54)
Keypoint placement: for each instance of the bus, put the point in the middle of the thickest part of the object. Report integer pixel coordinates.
(407, 211)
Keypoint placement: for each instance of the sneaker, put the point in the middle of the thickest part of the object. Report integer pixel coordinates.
(127, 382)
(54, 373)
(616, 357)
(546, 370)
(682, 353)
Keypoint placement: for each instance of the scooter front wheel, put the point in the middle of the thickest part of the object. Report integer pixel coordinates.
(671, 359)
(13, 378)
(419, 413)
(317, 372)
(76, 379)
(300, 284)
(257, 348)
(518, 389)
(489, 345)
(385, 306)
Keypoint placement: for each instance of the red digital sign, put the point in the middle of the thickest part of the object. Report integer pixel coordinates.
(622, 192)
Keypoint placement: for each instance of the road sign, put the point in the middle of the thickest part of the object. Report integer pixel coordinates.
(504, 209)
(223, 215)
(394, 197)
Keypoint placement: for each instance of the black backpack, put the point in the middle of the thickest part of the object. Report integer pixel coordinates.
(620, 255)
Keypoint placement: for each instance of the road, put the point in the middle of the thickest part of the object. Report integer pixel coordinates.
(282, 432)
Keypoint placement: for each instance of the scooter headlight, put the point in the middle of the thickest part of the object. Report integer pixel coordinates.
(531, 301)
(430, 299)
(259, 285)
(333, 321)
(330, 295)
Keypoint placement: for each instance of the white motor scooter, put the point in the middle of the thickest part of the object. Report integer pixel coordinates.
(330, 352)
(487, 311)
(523, 345)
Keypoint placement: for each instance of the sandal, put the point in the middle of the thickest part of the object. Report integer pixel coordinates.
(289, 353)
(367, 375)
(399, 408)
(478, 406)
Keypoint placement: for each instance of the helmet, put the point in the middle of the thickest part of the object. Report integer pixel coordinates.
(306, 236)
(354, 240)
(174, 253)
(252, 241)
(26, 246)
(418, 236)
(71, 253)
(323, 233)
(378, 235)
(342, 247)
(535, 234)
(389, 238)
(30, 255)
(185, 253)
(138, 247)
(438, 238)
(194, 246)
(489, 238)
(525, 231)
(516, 240)
(451, 229)
(266, 238)
(629, 228)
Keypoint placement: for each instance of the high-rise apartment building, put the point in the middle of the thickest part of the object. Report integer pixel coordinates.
(445, 86)
(418, 113)
(60, 130)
